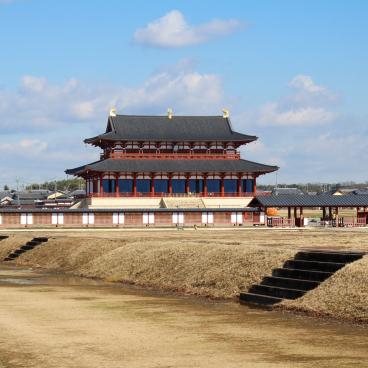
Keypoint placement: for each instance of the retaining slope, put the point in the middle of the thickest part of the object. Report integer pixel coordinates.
(297, 276)
(24, 248)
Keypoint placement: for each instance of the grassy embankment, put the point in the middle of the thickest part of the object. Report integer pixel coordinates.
(217, 264)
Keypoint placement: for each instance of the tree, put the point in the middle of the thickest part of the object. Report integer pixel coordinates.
(6, 188)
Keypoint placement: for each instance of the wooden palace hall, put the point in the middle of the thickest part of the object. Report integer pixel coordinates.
(150, 159)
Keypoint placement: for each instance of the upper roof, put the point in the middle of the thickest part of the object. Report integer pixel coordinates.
(113, 165)
(349, 200)
(176, 129)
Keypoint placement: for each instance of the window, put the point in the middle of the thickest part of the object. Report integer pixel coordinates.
(108, 185)
(26, 219)
(125, 185)
(196, 185)
(207, 218)
(178, 185)
(178, 218)
(148, 218)
(236, 218)
(247, 185)
(143, 185)
(88, 218)
(230, 185)
(213, 185)
(161, 185)
(118, 218)
(57, 219)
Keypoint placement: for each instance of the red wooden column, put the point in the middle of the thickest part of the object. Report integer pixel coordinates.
(222, 186)
(205, 186)
(101, 186)
(239, 186)
(134, 184)
(255, 185)
(152, 185)
(117, 185)
(170, 184)
(187, 183)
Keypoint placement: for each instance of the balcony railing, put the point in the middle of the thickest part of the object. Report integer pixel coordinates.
(170, 156)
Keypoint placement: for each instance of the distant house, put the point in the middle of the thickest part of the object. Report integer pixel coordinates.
(6, 199)
(77, 194)
(28, 199)
(57, 194)
(287, 191)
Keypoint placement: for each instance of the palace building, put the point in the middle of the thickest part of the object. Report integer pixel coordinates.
(170, 162)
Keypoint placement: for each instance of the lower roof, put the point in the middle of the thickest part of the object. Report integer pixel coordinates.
(349, 200)
(129, 166)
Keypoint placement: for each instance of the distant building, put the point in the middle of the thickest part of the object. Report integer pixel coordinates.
(147, 161)
(287, 191)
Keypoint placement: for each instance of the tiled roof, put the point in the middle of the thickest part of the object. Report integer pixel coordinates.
(112, 165)
(349, 200)
(178, 128)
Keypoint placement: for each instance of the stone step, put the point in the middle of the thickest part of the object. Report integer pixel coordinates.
(289, 283)
(256, 299)
(313, 265)
(301, 274)
(328, 256)
(19, 251)
(276, 292)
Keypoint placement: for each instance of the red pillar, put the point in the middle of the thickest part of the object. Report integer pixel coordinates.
(187, 184)
(152, 185)
(205, 186)
(254, 185)
(134, 185)
(222, 183)
(117, 185)
(170, 184)
(101, 186)
(239, 186)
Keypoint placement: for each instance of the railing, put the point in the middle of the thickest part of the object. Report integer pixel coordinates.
(173, 195)
(170, 156)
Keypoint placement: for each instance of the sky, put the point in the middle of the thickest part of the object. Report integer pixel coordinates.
(293, 73)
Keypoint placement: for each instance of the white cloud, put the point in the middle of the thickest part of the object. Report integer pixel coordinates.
(309, 104)
(24, 147)
(172, 30)
(271, 114)
(39, 105)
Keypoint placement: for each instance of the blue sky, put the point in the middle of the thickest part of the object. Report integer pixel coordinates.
(295, 73)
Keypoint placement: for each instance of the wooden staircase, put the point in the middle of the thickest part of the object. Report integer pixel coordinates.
(24, 248)
(299, 275)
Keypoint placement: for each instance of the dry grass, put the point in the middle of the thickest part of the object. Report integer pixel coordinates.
(216, 264)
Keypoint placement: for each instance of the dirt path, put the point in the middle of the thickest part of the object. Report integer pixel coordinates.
(69, 322)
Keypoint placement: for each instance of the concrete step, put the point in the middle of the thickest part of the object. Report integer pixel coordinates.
(313, 265)
(301, 274)
(276, 292)
(328, 256)
(41, 239)
(289, 283)
(249, 298)
(27, 247)
(33, 242)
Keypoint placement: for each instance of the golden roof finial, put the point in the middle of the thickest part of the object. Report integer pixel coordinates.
(113, 111)
(170, 113)
(225, 113)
